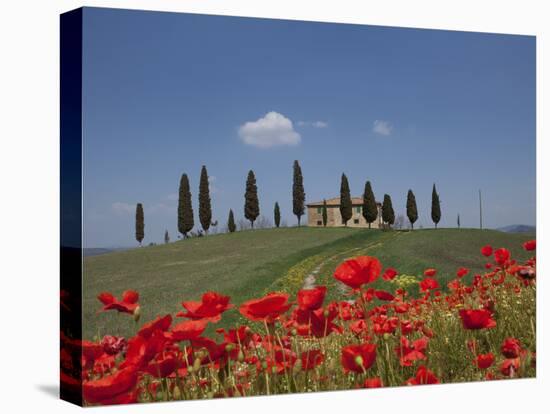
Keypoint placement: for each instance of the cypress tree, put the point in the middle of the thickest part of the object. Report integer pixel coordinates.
(370, 209)
(277, 215)
(166, 237)
(231, 222)
(436, 207)
(251, 203)
(346, 210)
(140, 224)
(298, 194)
(412, 212)
(325, 213)
(185, 208)
(458, 221)
(205, 208)
(388, 215)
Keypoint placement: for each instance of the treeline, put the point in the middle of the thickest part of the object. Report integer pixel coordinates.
(186, 220)
(370, 208)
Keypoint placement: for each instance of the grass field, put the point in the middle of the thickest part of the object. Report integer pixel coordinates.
(247, 264)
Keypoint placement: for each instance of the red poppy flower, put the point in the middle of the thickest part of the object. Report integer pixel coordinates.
(240, 335)
(430, 272)
(358, 358)
(383, 295)
(484, 361)
(501, 256)
(454, 284)
(509, 367)
(401, 307)
(487, 251)
(476, 319)
(140, 350)
(530, 245)
(210, 307)
(109, 386)
(284, 360)
(373, 383)
(358, 327)
(358, 271)
(318, 323)
(423, 376)
(462, 271)
(410, 352)
(162, 365)
(113, 345)
(428, 284)
(161, 323)
(510, 348)
(311, 359)
(128, 304)
(217, 352)
(406, 327)
(527, 273)
(311, 299)
(268, 308)
(188, 330)
(389, 274)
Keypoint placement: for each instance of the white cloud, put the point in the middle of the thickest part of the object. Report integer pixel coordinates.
(382, 127)
(158, 208)
(314, 124)
(123, 208)
(274, 129)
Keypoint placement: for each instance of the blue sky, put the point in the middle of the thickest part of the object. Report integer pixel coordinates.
(165, 93)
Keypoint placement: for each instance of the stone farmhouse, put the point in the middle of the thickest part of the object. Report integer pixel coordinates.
(334, 219)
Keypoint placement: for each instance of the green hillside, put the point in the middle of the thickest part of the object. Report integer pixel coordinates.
(249, 263)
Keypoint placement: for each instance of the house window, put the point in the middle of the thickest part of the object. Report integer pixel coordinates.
(319, 223)
(319, 210)
(358, 209)
(356, 221)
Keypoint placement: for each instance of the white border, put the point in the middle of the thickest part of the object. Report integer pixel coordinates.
(29, 93)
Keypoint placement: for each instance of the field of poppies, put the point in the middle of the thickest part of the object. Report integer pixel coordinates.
(392, 335)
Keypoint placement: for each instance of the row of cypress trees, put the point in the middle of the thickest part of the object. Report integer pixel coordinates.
(252, 205)
(186, 221)
(370, 208)
(251, 202)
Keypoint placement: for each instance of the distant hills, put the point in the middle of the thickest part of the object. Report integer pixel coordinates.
(518, 228)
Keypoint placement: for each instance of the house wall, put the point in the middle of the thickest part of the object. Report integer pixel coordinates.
(334, 218)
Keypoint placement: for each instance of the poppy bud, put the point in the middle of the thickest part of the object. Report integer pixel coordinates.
(293, 332)
(137, 313)
(196, 364)
(359, 360)
(264, 364)
(240, 356)
(229, 347)
(387, 336)
(326, 313)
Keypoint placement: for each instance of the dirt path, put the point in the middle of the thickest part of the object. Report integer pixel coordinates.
(311, 278)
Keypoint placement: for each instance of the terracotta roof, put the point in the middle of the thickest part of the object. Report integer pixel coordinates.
(355, 201)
